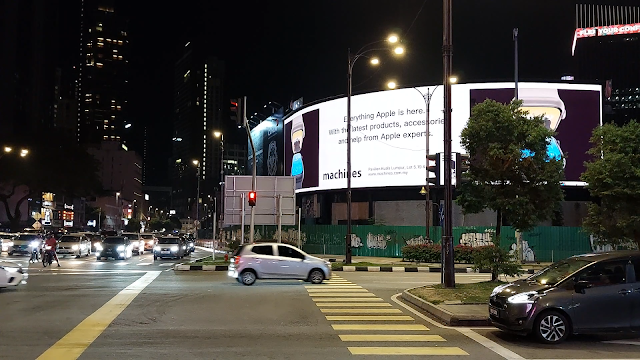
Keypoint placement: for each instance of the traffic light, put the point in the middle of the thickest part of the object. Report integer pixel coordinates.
(433, 168)
(237, 115)
(252, 198)
(462, 172)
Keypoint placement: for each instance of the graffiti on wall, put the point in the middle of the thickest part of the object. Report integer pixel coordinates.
(527, 252)
(377, 241)
(597, 246)
(477, 239)
(419, 240)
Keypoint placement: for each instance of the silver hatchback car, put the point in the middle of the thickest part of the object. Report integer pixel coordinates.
(277, 261)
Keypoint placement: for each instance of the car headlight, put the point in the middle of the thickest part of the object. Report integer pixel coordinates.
(524, 298)
(9, 243)
(98, 247)
(120, 248)
(34, 244)
(75, 247)
(174, 248)
(499, 289)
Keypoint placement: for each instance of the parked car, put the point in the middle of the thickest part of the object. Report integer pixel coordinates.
(74, 244)
(23, 243)
(583, 294)
(150, 240)
(11, 274)
(117, 247)
(136, 241)
(277, 261)
(169, 247)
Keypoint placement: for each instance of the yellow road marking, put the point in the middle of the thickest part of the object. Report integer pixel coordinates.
(334, 286)
(369, 318)
(361, 311)
(316, 290)
(375, 350)
(352, 299)
(350, 294)
(378, 337)
(376, 327)
(330, 304)
(72, 345)
(337, 282)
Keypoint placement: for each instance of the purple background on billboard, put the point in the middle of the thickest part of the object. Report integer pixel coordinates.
(574, 131)
(310, 146)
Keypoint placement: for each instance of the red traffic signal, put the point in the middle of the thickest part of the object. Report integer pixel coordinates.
(252, 198)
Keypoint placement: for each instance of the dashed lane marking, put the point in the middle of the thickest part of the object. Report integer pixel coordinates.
(345, 299)
(379, 327)
(166, 264)
(144, 264)
(369, 318)
(361, 311)
(322, 290)
(346, 294)
(370, 304)
(384, 337)
(376, 350)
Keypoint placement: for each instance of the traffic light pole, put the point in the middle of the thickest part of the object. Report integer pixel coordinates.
(447, 236)
(253, 173)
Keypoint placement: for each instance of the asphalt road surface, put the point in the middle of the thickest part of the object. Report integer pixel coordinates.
(140, 308)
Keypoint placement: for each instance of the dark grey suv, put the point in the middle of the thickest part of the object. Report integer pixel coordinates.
(589, 293)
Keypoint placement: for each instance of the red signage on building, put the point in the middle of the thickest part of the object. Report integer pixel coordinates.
(605, 31)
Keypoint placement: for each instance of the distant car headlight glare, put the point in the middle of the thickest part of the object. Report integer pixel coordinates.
(174, 248)
(74, 247)
(120, 248)
(98, 247)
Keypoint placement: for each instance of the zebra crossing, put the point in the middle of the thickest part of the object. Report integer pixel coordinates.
(371, 326)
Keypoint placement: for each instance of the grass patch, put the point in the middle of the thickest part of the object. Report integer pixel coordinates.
(209, 261)
(476, 293)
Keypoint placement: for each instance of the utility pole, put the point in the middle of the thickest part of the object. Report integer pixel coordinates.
(447, 235)
(515, 40)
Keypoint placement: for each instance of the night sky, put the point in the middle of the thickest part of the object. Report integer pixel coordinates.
(282, 50)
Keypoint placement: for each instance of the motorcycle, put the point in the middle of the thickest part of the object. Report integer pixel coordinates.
(35, 251)
(47, 258)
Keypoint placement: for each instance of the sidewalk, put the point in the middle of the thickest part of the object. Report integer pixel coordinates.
(452, 314)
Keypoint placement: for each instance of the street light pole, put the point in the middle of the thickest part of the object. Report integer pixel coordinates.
(348, 238)
(427, 101)
(447, 236)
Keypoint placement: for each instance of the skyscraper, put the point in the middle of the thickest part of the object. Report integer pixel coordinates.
(102, 83)
(197, 114)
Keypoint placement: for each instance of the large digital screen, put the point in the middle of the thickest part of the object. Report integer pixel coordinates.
(389, 132)
(267, 139)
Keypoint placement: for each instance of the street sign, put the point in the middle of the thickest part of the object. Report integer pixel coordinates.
(37, 225)
(275, 199)
(37, 216)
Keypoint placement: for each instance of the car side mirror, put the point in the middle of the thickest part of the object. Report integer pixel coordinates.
(580, 286)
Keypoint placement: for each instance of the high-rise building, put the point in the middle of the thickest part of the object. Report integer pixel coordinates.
(606, 51)
(103, 71)
(198, 100)
(29, 55)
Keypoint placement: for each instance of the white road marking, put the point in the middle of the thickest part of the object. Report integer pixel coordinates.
(166, 264)
(145, 263)
(498, 349)
(622, 342)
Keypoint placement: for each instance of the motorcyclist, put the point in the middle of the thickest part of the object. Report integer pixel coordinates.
(51, 243)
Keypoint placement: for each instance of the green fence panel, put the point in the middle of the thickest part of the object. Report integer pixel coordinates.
(542, 244)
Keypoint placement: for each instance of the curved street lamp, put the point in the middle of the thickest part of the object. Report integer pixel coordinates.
(351, 59)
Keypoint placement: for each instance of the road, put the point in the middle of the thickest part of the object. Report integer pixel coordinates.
(140, 308)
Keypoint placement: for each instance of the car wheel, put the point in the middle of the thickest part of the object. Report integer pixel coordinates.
(10, 253)
(551, 327)
(316, 276)
(248, 277)
(98, 258)
(155, 257)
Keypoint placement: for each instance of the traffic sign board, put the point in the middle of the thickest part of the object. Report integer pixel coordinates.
(37, 225)
(37, 216)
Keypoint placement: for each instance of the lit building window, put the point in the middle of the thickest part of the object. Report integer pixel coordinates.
(99, 28)
(99, 65)
(100, 44)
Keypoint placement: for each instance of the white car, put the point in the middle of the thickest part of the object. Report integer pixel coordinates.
(6, 240)
(11, 274)
(136, 241)
(74, 244)
(277, 261)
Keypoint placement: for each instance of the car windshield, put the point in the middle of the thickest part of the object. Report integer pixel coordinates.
(28, 237)
(147, 236)
(238, 250)
(559, 271)
(114, 240)
(69, 239)
(169, 241)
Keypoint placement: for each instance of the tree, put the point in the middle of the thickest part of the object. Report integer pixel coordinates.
(57, 167)
(133, 225)
(613, 178)
(510, 170)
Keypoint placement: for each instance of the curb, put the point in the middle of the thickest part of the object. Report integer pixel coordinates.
(447, 317)
(412, 269)
(181, 267)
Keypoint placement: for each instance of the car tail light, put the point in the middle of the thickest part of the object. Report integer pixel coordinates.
(236, 261)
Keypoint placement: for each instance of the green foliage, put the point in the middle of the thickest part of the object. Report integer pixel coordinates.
(525, 189)
(613, 178)
(174, 223)
(431, 253)
(60, 167)
(495, 259)
(133, 225)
